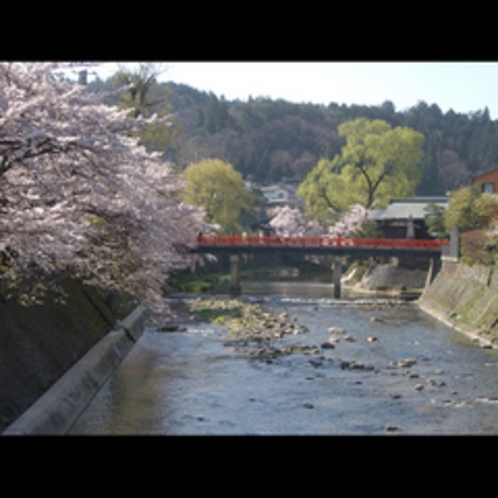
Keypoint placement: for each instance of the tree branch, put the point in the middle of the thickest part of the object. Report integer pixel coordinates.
(326, 198)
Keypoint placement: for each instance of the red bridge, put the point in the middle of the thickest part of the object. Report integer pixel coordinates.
(235, 245)
(322, 245)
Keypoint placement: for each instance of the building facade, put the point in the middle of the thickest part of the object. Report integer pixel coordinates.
(488, 182)
(405, 218)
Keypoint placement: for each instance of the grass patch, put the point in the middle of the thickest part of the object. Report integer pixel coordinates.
(220, 316)
(226, 312)
(237, 316)
(199, 284)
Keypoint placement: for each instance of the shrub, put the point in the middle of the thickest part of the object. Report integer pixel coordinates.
(477, 248)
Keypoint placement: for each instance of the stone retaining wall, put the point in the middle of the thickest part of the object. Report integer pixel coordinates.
(465, 298)
(392, 277)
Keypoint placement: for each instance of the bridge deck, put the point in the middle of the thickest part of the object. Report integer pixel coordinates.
(237, 244)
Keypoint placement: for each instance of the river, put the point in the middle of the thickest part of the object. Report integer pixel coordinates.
(192, 383)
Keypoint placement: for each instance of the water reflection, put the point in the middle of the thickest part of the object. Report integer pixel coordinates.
(296, 289)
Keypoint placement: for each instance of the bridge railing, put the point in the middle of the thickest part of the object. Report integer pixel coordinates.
(276, 241)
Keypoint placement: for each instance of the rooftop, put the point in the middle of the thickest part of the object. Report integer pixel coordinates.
(402, 209)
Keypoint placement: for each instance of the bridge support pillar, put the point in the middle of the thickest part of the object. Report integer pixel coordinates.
(336, 276)
(235, 286)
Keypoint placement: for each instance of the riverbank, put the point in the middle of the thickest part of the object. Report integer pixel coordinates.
(40, 343)
(466, 299)
(61, 405)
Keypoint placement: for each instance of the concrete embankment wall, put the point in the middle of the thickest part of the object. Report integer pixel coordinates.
(54, 358)
(465, 298)
(391, 277)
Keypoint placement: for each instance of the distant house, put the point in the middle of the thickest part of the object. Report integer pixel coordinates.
(279, 194)
(488, 181)
(263, 227)
(405, 218)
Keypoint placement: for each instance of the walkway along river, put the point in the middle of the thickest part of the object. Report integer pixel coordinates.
(360, 366)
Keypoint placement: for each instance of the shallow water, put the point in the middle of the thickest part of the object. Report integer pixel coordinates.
(191, 383)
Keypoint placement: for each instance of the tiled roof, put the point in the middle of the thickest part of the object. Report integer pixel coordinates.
(402, 209)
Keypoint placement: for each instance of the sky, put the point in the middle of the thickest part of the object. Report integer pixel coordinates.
(462, 86)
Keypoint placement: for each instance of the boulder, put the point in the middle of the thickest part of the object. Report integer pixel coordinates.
(327, 345)
(436, 383)
(172, 327)
(336, 330)
(406, 363)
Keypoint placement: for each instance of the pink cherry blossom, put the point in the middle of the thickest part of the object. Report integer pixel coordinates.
(289, 222)
(350, 222)
(79, 195)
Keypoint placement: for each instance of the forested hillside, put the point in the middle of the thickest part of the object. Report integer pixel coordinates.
(271, 139)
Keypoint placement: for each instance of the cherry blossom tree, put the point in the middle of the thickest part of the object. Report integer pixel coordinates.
(78, 195)
(350, 222)
(289, 222)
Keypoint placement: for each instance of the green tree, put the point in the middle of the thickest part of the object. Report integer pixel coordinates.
(434, 219)
(470, 209)
(377, 162)
(219, 189)
(217, 115)
(476, 215)
(325, 192)
(381, 161)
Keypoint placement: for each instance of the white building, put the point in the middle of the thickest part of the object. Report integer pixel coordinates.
(279, 194)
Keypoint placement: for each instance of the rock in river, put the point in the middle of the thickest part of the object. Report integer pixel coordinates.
(327, 345)
(336, 330)
(172, 327)
(406, 363)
